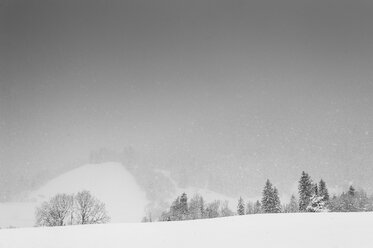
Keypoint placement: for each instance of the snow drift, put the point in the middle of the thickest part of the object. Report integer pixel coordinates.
(267, 230)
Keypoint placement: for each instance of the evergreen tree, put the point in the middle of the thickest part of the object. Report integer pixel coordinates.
(362, 201)
(249, 208)
(175, 210)
(165, 216)
(317, 204)
(183, 207)
(306, 191)
(257, 207)
(351, 201)
(196, 207)
(241, 207)
(268, 198)
(292, 207)
(202, 206)
(225, 210)
(315, 189)
(212, 210)
(276, 201)
(323, 191)
(351, 191)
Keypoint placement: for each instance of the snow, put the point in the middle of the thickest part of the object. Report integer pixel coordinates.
(268, 230)
(17, 214)
(109, 182)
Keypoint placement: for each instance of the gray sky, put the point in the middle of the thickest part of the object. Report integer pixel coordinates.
(270, 87)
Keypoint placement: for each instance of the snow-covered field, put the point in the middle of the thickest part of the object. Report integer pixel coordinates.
(109, 182)
(332, 230)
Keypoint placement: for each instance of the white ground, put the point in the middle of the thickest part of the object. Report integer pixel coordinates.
(109, 182)
(331, 230)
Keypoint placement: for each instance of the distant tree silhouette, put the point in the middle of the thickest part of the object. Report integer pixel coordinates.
(323, 190)
(196, 207)
(225, 210)
(240, 207)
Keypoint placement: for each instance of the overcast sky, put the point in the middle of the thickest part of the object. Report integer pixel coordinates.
(278, 86)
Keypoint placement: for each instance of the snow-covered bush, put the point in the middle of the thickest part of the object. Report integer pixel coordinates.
(317, 204)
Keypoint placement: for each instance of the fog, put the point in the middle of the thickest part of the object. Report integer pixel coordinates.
(221, 93)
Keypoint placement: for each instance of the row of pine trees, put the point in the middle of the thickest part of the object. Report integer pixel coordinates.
(312, 197)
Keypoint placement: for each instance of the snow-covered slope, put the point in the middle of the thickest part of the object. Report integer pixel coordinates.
(109, 182)
(271, 230)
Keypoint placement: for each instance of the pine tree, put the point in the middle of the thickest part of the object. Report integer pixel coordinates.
(212, 210)
(196, 207)
(249, 207)
(175, 210)
(317, 204)
(293, 205)
(306, 189)
(268, 200)
(183, 206)
(241, 207)
(202, 206)
(351, 191)
(323, 191)
(257, 207)
(277, 203)
(315, 189)
(349, 200)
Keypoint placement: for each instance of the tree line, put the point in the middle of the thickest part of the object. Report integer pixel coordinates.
(312, 197)
(83, 208)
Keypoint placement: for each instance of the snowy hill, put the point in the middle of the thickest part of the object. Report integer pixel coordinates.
(270, 230)
(109, 182)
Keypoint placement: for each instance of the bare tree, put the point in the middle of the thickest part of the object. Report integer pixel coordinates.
(55, 212)
(89, 210)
